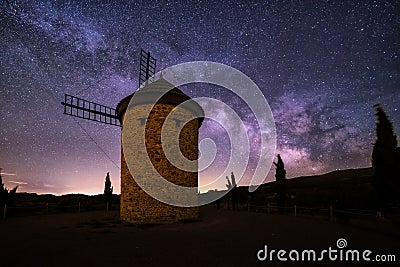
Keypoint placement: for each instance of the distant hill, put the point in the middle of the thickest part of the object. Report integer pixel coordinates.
(350, 188)
(331, 180)
(32, 203)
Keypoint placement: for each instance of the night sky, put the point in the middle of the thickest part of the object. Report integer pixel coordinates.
(321, 67)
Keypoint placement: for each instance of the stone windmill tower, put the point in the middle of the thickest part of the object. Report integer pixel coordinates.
(136, 205)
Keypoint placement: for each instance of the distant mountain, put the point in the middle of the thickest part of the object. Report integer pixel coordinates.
(32, 203)
(350, 188)
(352, 176)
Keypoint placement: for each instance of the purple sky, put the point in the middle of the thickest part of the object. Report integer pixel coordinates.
(321, 67)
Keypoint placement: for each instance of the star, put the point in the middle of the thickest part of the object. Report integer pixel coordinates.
(321, 67)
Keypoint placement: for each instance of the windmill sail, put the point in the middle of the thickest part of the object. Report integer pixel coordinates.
(81, 108)
(147, 66)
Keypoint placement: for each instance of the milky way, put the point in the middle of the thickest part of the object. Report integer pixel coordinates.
(320, 66)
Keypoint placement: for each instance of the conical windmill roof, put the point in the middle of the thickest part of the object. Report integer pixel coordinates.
(171, 95)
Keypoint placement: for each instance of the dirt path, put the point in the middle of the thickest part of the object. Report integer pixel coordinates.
(221, 238)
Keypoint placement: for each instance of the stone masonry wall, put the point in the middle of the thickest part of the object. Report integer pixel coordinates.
(136, 205)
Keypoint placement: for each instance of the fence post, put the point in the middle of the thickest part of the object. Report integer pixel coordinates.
(5, 212)
(79, 207)
(268, 208)
(295, 211)
(330, 213)
(47, 207)
(107, 206)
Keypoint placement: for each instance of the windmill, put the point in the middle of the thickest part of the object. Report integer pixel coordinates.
(136, 206)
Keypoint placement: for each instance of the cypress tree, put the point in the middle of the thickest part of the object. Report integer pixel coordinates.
(280, 177)
(385, 160)
(108, 190)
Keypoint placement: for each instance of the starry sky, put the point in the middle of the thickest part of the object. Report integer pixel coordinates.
(321, 65)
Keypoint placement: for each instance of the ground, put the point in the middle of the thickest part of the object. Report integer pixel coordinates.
(220, 238)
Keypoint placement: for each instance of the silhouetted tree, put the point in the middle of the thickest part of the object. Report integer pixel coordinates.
(234, 192)
(7, 196)
(231, 185)
(280, 177)
(233, 179)
(2, 194)
(385, 160)
(108, 190)
(2, 191)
